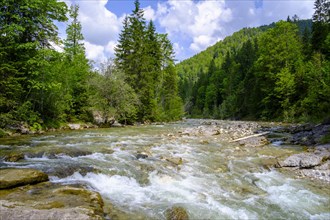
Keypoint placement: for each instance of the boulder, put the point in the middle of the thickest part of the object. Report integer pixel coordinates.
(254, 141)
(50, 201)
(176, 213)
(67, 169)
(74, 126)
(116, 124)
(174, 160)
(54, 153)
(141, 156)
(14, 157)
(302, 160)
(11, 177)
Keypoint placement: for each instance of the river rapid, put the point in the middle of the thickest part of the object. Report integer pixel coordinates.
(216, 179)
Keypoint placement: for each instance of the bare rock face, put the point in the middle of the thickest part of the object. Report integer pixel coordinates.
(50, 201)
(11, 177)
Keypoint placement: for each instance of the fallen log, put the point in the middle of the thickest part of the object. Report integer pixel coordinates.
(250, 136)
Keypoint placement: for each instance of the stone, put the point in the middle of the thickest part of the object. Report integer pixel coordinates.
(54, 153)
(254, 141)
(316, 174)
(116, 124)
(12, 177)
(14, 157)
(68, 169)
(74, 126)
(141, 156)
(302, 160)
(50, 201)
(174, 160)
(176, 213)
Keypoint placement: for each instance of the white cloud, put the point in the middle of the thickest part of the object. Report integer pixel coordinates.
(99, 24)
(200, 22)
(192, 25)
(95, 52)
(100, 28)
(110, 47)
(246, 14)
(149, 13)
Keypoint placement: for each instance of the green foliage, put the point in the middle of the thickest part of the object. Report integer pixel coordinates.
(146, 58)
(273, 73)
(325, 139)
(113, 97)
(2, 133)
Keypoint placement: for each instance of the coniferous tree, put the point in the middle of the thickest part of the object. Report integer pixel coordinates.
(77, 67)
(146, 59)
(321, 25)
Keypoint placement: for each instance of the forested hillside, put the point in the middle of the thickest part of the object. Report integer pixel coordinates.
(275, 72)
(42, 87)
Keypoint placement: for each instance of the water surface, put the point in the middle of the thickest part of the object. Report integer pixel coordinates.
(217, 179)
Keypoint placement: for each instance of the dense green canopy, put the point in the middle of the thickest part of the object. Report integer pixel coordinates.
(275, 72)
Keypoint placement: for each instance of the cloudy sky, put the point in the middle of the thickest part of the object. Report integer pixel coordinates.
(191, 25)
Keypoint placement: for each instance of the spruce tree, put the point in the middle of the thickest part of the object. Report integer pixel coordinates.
(77, 67)
(321, 25)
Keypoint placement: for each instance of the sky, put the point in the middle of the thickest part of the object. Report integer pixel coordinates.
(191, 25)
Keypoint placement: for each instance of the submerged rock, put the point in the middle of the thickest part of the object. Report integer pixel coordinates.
(50, 201)
(55, 153)
(176, 213)
(68, 169)
(11, 177)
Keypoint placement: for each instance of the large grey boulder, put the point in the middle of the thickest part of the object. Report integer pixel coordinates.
(302, 160)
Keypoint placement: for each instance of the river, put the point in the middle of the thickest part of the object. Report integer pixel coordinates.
(216, 180)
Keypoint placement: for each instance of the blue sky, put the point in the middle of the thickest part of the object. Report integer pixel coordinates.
(191, 25)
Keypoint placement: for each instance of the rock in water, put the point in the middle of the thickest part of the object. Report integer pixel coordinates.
(176, 213)
(174, 160)
(50, 201)
(302, 160)
(11, 177)
(14, 157)
(142, 156)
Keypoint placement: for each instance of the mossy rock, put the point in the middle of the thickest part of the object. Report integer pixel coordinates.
(14, 157)
(11, 177)
(176, 213)
(50, 201)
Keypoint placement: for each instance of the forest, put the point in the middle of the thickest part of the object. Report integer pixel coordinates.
(42, 87)
(276, 72)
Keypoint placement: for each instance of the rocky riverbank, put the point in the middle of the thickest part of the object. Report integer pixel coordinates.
(314, 163)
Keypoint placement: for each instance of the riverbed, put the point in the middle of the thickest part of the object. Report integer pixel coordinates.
(142, 171)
